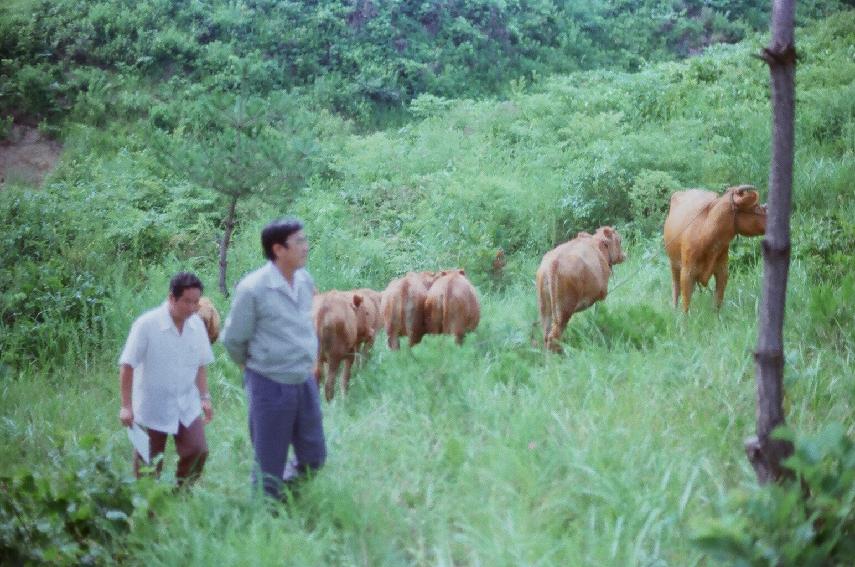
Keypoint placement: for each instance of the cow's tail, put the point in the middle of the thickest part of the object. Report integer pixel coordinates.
(403, 310)
(552, 284)
(446, 324)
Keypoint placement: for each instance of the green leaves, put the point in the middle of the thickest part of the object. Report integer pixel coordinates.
(360, 59)
(809, 521)
(74, 510)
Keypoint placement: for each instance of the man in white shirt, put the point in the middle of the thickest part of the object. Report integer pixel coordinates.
(163, 380)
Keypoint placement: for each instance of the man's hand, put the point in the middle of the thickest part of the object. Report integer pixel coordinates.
(208, 410)
(126, 415)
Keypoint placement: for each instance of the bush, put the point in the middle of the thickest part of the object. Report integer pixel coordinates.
(831, 312)
(829, 245)
(72, 513)
(62, 250)
(649, 199)
(52, 296)
(807, 521)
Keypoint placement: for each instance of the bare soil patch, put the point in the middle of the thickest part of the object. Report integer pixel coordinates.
(27, 156)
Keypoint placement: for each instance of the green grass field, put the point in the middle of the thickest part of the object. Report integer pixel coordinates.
(617, 452)
(494, 453)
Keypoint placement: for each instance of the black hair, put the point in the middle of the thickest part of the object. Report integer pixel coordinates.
(277, 232)
(182, 281)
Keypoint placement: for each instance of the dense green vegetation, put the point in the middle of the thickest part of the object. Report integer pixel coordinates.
(624, 451)
(364, 58)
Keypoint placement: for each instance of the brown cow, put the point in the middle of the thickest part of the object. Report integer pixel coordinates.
(572, 277)
(211, 317)
(403, 307)
(698, 231)
(369, 317)
(334, 314)
(451, 306)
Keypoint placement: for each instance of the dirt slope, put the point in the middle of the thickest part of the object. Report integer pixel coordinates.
(27, 156)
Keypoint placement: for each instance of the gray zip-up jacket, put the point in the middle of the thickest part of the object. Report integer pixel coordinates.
(270, 328)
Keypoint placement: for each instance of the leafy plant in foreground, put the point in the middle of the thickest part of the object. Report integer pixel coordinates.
(807, 521)
(76, 511)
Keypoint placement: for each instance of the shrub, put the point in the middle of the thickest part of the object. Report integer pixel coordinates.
(829, 245)
(72, 513)
(831, 310)
(48, 277)
(807, 521)
(649, 198)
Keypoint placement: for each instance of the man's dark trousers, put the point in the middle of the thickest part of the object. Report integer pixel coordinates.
(281, 415)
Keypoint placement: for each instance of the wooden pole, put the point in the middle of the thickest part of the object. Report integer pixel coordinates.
(764, 453)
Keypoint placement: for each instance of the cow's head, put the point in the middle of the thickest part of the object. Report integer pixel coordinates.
(611, 238)
(363, 327)
(749, 215)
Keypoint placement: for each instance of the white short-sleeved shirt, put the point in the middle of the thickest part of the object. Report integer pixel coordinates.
(165, 364)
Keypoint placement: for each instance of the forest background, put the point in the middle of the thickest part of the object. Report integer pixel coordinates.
(426, 135)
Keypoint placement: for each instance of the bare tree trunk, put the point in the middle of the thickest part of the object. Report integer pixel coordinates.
(764, 453)
(224, 245)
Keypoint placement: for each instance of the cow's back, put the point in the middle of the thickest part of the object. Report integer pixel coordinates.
(452, 305)
(211, 317)
(573, 275)
(463, 310)
(403, 307)
(583, 270)
(391, 305)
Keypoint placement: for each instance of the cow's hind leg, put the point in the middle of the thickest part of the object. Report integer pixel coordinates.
(329, 384)
(345, 376)
(545, 316)
(675, 285)
(392, 337)
(558, 327)
(320, 374)
(458, 329)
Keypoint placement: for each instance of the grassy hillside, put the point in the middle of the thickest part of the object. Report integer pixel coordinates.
(493, 453)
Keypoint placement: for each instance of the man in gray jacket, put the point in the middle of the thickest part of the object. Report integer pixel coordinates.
(269, 333)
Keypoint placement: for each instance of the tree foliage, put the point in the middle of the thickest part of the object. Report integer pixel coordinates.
(240, 146)
(356, 57)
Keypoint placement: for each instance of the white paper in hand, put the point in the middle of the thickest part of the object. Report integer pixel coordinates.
(139, 439)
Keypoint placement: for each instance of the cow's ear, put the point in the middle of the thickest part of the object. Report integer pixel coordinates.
(461, 271)
(357, 300)
(582, 234)
(608, 231)
(443, 273)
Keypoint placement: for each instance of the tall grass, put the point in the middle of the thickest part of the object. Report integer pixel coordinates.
(493, 453)
(496, 453)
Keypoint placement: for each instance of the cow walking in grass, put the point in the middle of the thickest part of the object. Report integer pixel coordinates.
(572, 277)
